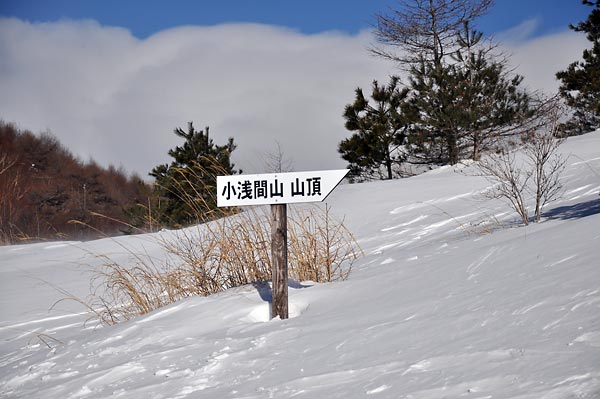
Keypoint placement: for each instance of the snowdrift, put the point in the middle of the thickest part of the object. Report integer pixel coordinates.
(452, 299)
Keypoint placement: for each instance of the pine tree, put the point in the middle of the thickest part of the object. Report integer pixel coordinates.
(463, 94)
(381, 131)
(424, 29)
(580, 82)
(187, 185)
(467, 103)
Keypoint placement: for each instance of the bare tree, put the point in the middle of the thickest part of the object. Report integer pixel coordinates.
(508, 179)
(13, 191)
(6, 163)
(424, 29)
(541, 150)
(275, 161)
(538, 177)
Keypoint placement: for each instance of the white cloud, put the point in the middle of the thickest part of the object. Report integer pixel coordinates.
(521, 32)
(538, 59)
(116, 98)
(109, 95)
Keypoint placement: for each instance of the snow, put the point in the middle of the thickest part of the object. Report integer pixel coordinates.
(452, 299)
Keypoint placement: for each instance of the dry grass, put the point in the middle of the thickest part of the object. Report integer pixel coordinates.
(222, 254)
(228, 248)
(36, 337)
(486, 224)
(194, 187)
(321, 248)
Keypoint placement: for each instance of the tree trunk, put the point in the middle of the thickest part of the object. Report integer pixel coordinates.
(475, 147)
(452, 148)
(388, 165)
(279, 262)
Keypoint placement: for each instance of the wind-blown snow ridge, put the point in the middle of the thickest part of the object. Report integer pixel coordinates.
(451, 300)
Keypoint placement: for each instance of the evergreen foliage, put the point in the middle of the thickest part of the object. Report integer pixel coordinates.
(461, 98)
(580, 82)
(466, 103)
(381, 131)
(187, 185)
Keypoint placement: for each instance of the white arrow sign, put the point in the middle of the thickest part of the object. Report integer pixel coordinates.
(277, 188)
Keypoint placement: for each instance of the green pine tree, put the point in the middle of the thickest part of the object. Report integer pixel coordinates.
(381, 130)
(580, 82)
(466, 102)
(187, 186)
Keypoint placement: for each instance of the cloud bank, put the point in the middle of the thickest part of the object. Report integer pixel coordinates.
(108, 95)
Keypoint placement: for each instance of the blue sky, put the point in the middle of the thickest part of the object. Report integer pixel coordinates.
(111, 79)
(144, 18)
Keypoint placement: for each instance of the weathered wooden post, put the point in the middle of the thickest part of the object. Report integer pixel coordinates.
(277, 190)
(279, 261)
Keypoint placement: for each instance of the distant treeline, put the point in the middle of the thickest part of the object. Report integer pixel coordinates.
(48, 193)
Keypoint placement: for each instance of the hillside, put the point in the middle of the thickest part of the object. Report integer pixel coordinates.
(452, 299)
(44, 187)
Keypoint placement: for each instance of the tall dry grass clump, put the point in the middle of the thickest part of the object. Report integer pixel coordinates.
(227, 248)
(225, 253)
(222, 254)
(321, 248)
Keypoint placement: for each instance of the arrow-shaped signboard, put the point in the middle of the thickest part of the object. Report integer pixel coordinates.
(277, 188)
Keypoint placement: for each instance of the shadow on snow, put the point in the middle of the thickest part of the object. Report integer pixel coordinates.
(576, 211)
(266, 294)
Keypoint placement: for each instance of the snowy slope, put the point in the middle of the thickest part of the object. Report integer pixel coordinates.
(451, 300)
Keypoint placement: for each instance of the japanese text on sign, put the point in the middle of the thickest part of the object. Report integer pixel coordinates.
(274, 188)
(247, 189)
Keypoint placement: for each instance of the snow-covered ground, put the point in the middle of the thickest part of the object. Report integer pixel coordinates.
(452, 299)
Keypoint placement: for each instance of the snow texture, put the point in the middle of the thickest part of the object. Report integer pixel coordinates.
(452, 299)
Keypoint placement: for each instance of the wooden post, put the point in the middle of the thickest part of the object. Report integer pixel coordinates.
(279, 261)
(284, 188)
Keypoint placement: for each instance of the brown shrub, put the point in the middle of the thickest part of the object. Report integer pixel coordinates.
(222, 254)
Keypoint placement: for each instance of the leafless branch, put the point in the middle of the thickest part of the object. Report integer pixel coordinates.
(275, 161)
(541, 149)
(509, 181)
(424, 28)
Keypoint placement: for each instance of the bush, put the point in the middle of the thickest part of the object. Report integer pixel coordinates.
(538, 177)
(222, 254)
